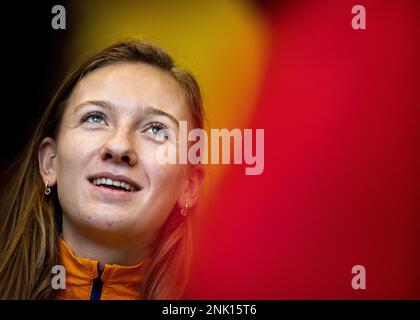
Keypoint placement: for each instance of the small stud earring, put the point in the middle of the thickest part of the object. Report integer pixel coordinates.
(184, 210)
(47, 188)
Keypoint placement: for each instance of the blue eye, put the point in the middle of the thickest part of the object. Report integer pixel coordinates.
(159, 131)
(94, 118)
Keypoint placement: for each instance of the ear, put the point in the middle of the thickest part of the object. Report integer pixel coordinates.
(46, 160)
(192, 187)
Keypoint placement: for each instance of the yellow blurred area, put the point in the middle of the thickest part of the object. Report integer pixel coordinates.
(223, 43)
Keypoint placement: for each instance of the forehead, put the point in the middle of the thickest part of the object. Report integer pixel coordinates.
(132, 86)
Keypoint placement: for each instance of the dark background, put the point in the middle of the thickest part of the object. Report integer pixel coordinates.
(32, 69)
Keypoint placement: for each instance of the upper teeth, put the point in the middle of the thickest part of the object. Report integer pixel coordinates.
(111, 182)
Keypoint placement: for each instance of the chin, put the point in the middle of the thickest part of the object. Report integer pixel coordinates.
(108, 220)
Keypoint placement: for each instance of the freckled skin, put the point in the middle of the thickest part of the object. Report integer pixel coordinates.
(81, 150)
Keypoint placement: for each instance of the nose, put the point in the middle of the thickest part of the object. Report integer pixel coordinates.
(119, 149)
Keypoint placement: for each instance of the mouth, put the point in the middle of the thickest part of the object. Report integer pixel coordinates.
(118, 183)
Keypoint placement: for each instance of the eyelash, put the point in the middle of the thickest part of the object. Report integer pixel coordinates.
(160, 126)
(150, 125)
(90, 114)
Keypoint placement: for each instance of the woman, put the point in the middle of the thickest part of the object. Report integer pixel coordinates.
(88, 191)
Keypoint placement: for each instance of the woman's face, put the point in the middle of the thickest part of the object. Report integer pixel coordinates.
(115, 120)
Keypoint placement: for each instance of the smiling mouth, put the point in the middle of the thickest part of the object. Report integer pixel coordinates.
(113, 184)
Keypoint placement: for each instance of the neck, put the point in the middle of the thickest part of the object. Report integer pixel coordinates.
(105, 249)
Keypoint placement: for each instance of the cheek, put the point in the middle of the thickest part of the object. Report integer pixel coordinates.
(162, 174)
(166, 186)
(74, 152)
(166, 181)
(73, 155)
(169, 175)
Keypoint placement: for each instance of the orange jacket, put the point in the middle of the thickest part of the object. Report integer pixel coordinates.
(83, 283)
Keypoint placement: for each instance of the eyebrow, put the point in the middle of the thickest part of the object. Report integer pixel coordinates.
(149, 110)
